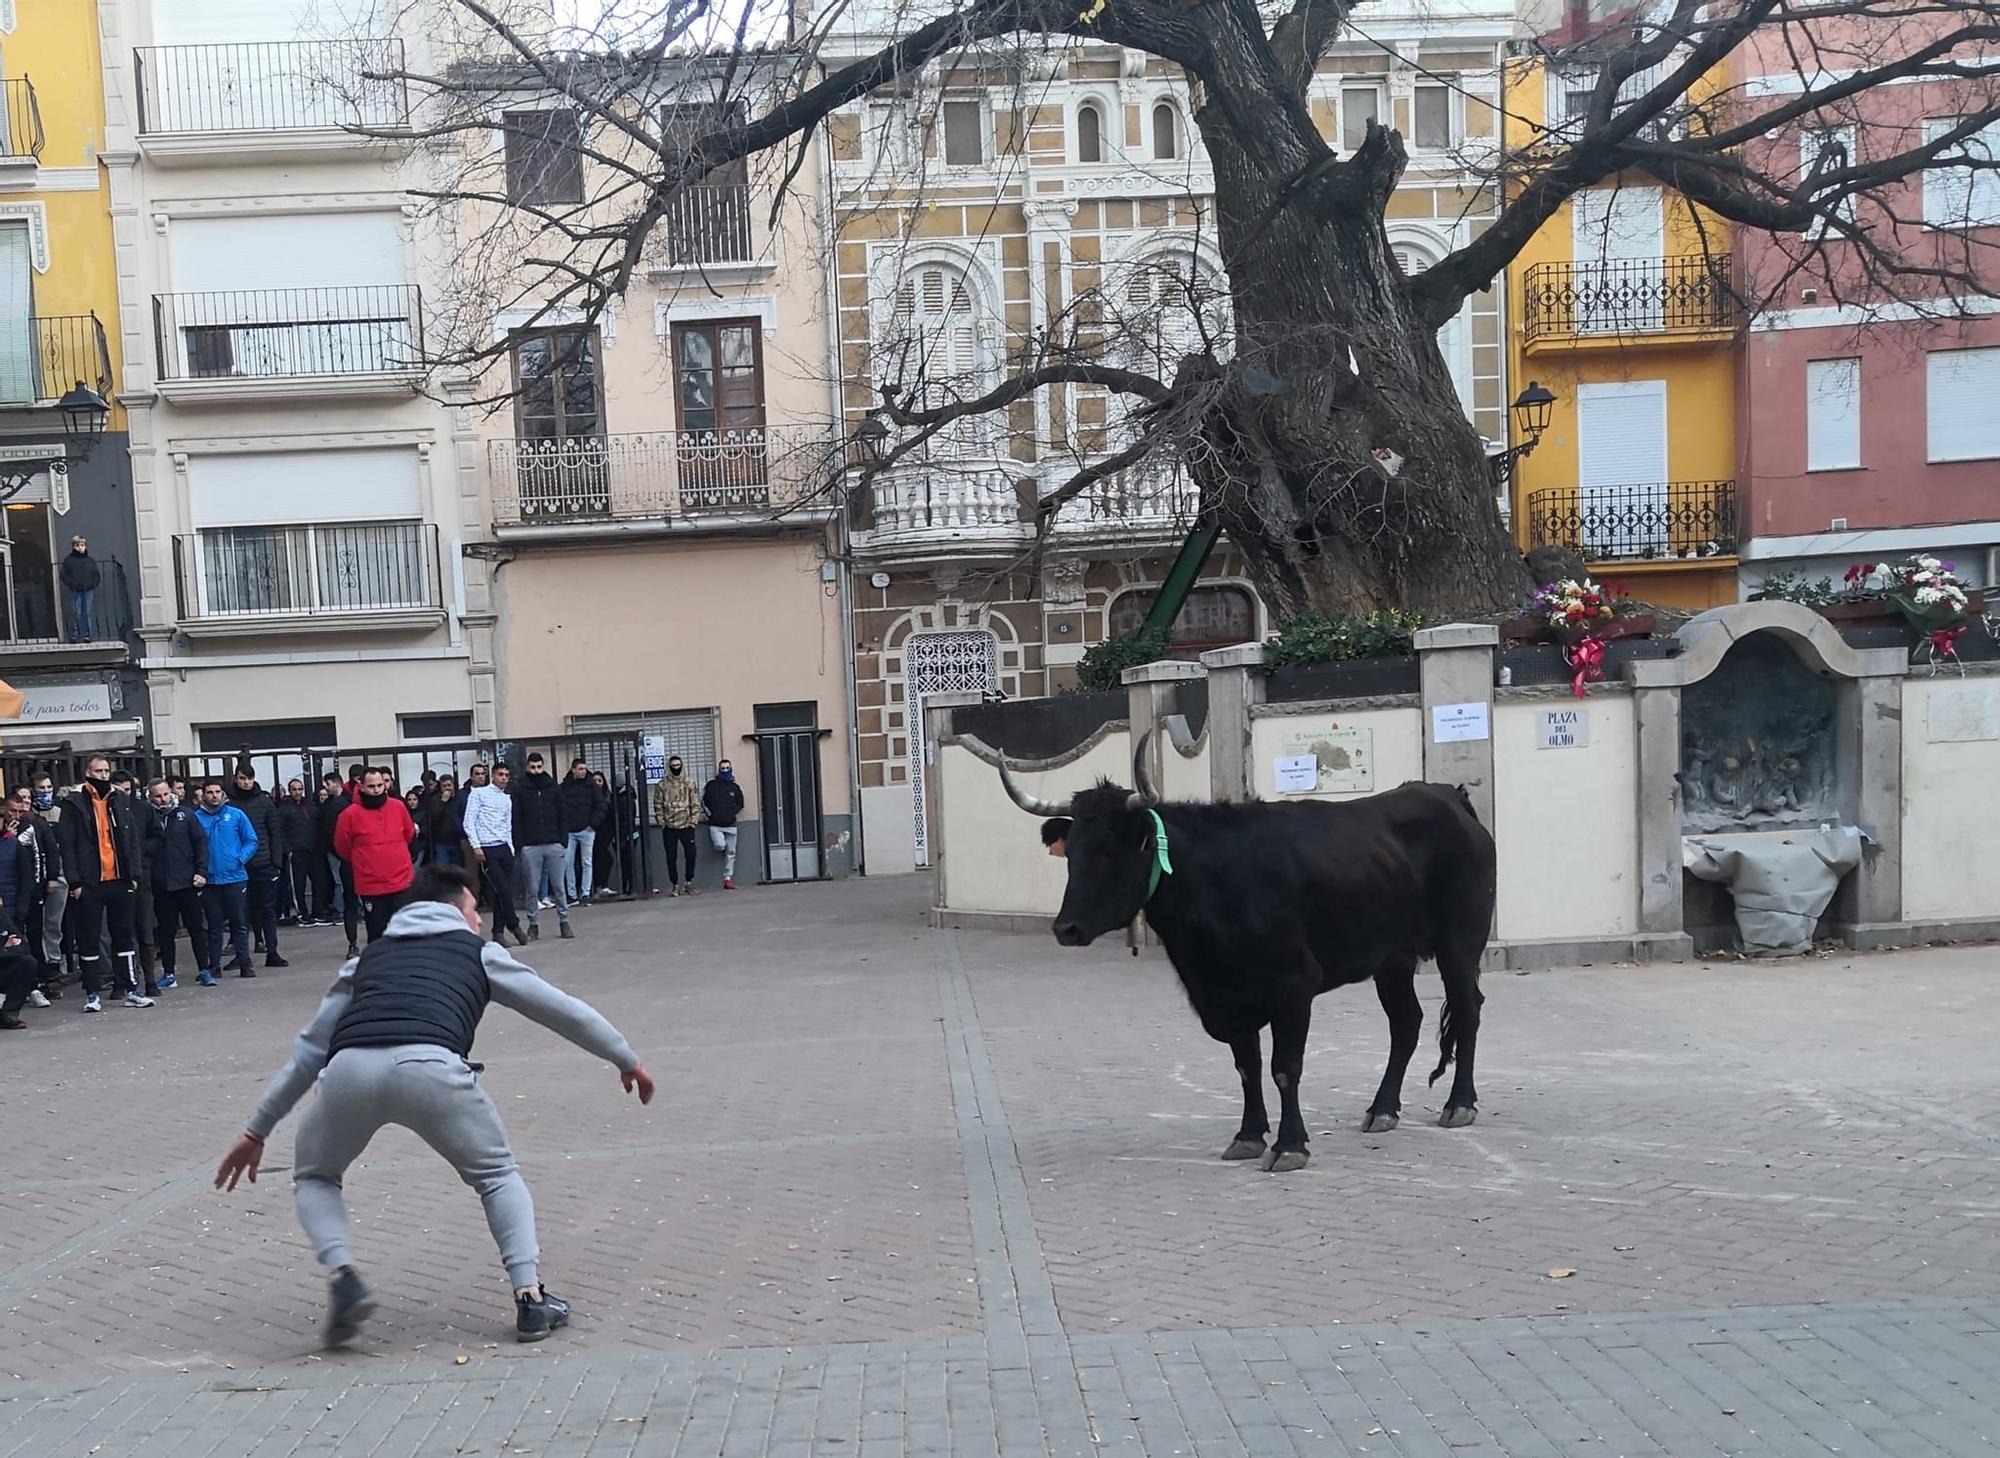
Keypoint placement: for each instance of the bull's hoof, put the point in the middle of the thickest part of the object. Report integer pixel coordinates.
(1284, 1161)
(1457, 1116)
(1374, 1123)
(1245, 1149)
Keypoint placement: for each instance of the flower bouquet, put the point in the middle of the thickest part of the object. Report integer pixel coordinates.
(1578, 614)
(1932, 599)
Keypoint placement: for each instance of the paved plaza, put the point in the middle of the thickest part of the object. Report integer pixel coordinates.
(916, 1192)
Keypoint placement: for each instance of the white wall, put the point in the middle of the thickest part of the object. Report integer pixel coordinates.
(1567, 822)
(888, 830)
(1184, 777)
(994, 859)
(1951, 797)
(1396, 742)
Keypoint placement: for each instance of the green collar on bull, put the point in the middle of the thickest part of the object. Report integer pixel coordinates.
(1161, 866)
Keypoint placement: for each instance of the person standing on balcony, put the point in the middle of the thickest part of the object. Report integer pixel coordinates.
(722, 800)
(99, 831)
(489, 827)
(269, 862)
(677, 806)
(80, 577)
(538, 831)
(232, 846)
(583, 807)
(373, 836)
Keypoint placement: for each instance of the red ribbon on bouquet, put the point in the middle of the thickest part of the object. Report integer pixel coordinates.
(1587, 659)
(1944, 641)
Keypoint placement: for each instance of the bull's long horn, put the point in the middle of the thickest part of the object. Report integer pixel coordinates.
(1043, 808)
(1143, 797)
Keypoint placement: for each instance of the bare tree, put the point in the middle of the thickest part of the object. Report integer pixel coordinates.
(1326, 354)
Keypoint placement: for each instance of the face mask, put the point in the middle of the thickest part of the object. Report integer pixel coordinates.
(374, 802)
(729, 774)
(44, 799)
(100, 788)
(673, 769)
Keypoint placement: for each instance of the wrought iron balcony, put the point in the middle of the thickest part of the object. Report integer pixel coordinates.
(1627, 298)
(924, 506)
(266, 572)
(708, 224)
(661, 475)
(1660, 521)
(258, 334)
(20, 121)
(271, 86)
(40, 358)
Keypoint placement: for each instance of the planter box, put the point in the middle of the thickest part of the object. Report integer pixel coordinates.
(1531, 664)
(1359, 678)
(1533, 630)
(1880, 613)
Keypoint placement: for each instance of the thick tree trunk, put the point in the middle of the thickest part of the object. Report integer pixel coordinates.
(1286, 460)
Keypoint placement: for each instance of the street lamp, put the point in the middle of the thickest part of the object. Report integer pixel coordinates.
(870, 436)
(84, 413)
(1531, 417)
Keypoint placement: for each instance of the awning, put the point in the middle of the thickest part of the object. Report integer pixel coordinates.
(105, 734)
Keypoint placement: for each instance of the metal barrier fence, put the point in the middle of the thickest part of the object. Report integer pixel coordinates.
(620, 757)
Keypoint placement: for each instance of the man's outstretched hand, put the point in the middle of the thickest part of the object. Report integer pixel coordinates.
(636, 1078)
(243, 1158)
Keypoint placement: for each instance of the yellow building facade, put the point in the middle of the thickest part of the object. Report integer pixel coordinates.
(1623, 308)
(58, 327)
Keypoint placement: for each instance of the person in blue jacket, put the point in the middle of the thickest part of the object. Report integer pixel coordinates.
(232, 843)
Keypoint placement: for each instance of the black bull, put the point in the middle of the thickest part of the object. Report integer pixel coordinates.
(1268, 906)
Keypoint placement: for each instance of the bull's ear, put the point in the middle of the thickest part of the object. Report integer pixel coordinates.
(1055, 830)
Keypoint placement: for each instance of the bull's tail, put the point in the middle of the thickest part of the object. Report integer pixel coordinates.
(1462, 998)
(1447, 1045)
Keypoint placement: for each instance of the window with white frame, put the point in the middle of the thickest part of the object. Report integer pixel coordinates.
(960, 127)
(1959, 417)
(1965, 195)
(1359, 105)
(1435, 116)
(1827, 150)
(1166, 132)
(933, 350)
(1833, 414)
(1089, 132)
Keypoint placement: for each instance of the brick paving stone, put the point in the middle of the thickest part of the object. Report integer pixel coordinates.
(913, 1193)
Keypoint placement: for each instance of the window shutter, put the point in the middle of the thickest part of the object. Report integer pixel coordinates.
(17, 327)
(1833, 414)
(285, 488)
(1962, 386)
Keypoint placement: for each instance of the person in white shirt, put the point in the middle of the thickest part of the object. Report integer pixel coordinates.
(489, 829)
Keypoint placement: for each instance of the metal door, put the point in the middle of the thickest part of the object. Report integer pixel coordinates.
(788, 793)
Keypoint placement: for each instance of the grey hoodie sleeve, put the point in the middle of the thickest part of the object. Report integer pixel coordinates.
(516, 985)
(309, 1055)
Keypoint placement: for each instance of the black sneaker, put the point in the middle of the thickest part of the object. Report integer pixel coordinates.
(352, 1304)
(353, 951)
(536, 1318)
(534, 933)
(272, 959)
(246, 971)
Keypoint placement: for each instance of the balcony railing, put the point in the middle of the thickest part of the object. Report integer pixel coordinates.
(660, 475)
(40, 358)
(271, 86)
(252, 572)
(20, 120)
(1664, 520)
(708, 225)
(274, 333)
(1625, 297)
(946, 503)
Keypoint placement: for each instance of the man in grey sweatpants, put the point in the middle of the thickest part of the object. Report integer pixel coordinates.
(390, 1045)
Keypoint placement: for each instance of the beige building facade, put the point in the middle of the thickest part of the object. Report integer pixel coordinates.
(301, 504)
(1025, 191)
(659, 492)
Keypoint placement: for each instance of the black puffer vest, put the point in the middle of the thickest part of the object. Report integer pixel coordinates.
(428, 989)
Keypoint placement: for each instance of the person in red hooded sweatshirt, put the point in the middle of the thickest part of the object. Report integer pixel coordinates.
(373, 836)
